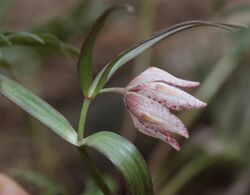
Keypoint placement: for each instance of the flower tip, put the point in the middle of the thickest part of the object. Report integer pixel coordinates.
(176, 147)
(190, 84)
(203, 105)
(184, 134)
(195, 84)
(174, 144)
(199, 105)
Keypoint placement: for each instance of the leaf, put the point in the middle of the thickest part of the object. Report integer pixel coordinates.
(124, 155)
(85, 64)
(107, 72)
(26, 35)
(38, 109)
(41, 40)
(35, 178)
(53, 43)
(5, 39)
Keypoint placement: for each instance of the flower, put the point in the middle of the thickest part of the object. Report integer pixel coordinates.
(149, 99)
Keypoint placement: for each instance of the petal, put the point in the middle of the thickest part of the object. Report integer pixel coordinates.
(154, 74)
(169, 96)
(166, 137)
(153, 115)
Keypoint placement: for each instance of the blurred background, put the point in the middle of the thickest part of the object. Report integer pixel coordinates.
(214, 161)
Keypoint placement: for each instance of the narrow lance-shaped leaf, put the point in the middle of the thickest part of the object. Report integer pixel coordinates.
(37, 108)
(56, 45)
(107, 72)
(124, 155)
(41, 40)
(85, 65)
(5, 39)
(26, 35)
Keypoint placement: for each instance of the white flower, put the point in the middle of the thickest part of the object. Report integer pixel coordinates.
(148, 99)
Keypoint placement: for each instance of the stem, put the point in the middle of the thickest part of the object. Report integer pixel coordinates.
(119, 90)
(84, 154)
(95, 172)
(82, 119)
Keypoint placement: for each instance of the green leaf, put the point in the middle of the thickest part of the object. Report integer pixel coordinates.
(5, 39)
(40, 40)
(107, 72)
(26, 35)
(85, 64)
(38, 108)
(53, 43)
(124, 155)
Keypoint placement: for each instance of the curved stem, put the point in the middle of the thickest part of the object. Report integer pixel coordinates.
(119, 90)
(82, 119)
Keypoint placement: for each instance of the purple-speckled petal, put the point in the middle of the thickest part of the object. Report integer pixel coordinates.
(154, 74)
(153, 115)
(148, 99)
(169, 96)
(164, 136)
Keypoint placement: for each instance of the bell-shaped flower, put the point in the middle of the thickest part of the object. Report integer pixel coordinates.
(149, 99)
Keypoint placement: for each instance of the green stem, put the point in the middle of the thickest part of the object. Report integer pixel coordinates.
(84, 154)
(95, 172)
(113, 90)
(82, 119)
